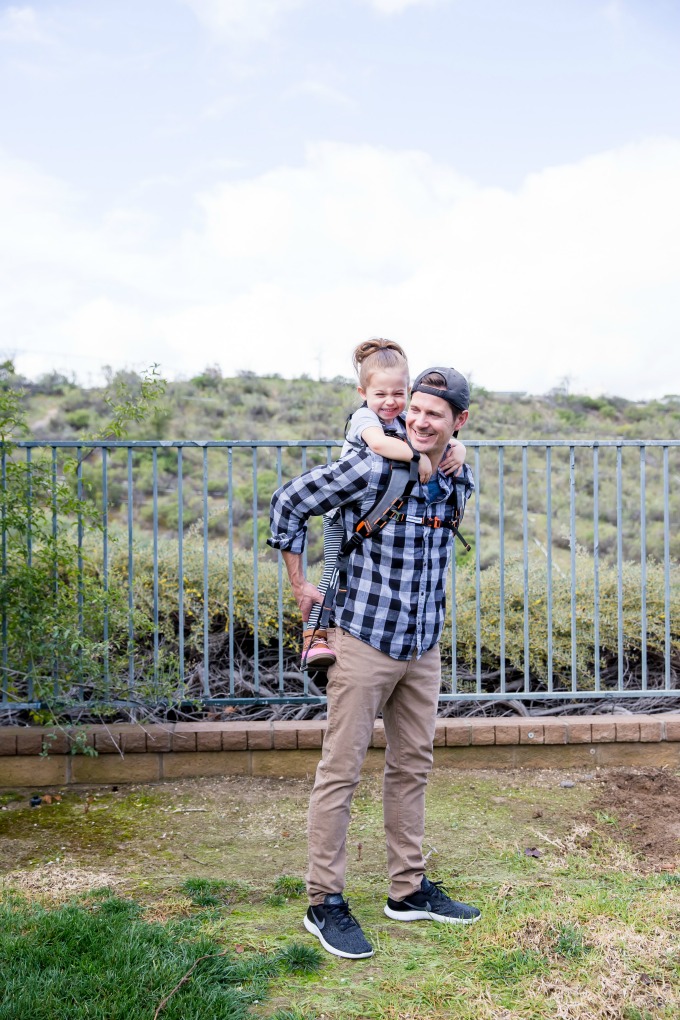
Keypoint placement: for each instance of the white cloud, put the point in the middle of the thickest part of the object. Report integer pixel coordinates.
(21, 24)
(613, 12)
(575, 274)
(319, 90)
(253, 20)
(397, 6)
(242, 19)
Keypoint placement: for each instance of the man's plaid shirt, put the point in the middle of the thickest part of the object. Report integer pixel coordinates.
(396, 590)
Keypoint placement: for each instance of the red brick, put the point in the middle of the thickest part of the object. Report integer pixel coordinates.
(208, 735)
(26, 770)
(30, 740)
(672, 727)
(56, 741)
(206, 763)
(209, 740)
(604, 732)
(458, 733)
(8, 740)
(235, 737)
(651, 730)
(107, 741)
(310, 735)
(260, 737)
(507, 733)
(482, 731)
(133, 740)
(554, 731)
(627, 730)
(183, 737)
(111, 768)
(301, 764)
(158, 737)
(285, 736)
(440, 734)
(531, 733)
(579, 732)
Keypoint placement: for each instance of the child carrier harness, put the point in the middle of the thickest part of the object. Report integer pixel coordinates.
(403, 476)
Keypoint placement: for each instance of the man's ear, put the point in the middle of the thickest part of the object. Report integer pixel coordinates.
(460, 420)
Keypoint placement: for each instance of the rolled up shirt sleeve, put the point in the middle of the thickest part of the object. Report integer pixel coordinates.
(318, 491)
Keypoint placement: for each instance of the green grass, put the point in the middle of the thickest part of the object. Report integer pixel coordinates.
(289, 885)
(101, 959)
(212, 892)
(585, 929)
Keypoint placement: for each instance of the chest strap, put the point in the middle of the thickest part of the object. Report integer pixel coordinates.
(450, 523)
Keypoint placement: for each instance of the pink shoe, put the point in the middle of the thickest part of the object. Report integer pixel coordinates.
(315, 650)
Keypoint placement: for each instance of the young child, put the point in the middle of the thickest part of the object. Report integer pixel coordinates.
(383, 374)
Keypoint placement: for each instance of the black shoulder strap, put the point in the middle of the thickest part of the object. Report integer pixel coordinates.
(403, 476)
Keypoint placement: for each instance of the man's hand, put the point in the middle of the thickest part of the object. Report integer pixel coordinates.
(306, 594)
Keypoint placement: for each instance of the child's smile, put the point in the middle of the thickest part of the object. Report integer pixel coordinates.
(386, 393)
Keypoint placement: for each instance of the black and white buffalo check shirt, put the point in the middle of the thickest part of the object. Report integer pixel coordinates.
(396, 590)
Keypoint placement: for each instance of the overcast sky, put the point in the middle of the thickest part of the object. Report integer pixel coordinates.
(262, 184)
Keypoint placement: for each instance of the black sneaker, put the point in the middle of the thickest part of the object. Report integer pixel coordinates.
(336, 928)
(430, 903)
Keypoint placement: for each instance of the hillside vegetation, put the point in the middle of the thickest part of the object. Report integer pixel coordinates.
(265, 407)
(565, 523)
(251, 407)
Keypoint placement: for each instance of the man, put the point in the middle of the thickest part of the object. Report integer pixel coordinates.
(388, 624)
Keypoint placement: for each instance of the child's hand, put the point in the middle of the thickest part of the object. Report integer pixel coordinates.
(453, 459)
(424, 468)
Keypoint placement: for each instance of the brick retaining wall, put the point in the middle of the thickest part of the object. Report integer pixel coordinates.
(133, 753)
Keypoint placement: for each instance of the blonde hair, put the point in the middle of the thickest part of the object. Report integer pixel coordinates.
(376, 355)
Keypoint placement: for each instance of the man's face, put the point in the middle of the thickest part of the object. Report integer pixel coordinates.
(430, 423)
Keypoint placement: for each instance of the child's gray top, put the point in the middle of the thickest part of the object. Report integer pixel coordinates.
(364, 418)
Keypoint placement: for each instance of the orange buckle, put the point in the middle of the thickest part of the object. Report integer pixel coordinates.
(436, 523)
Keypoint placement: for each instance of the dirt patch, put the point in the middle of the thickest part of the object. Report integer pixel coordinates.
(647, 807)
(55, 882)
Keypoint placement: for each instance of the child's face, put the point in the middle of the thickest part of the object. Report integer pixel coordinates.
(386, 393)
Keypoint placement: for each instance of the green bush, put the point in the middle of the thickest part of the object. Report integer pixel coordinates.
(53, 600)
(562, 617)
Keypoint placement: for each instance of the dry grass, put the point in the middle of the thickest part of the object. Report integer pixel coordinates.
(58, 883)
(586, 931)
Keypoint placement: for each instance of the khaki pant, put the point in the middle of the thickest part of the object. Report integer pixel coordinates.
(362, 683)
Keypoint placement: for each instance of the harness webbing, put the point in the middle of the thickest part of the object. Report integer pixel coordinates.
(432, 522)
(387, 508)
(403, 476)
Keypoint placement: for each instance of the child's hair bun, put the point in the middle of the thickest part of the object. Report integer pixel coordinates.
(378, 349)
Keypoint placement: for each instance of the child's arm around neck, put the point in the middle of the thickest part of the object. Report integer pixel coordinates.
(394, 449)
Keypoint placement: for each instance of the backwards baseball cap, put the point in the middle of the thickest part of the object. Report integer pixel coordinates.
(456, 392)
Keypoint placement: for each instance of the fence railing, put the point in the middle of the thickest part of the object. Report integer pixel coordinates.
(570, 590)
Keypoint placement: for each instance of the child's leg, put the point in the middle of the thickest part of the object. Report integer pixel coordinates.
(315, 650)
(333, 535)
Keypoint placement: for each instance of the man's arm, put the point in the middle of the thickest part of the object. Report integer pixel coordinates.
(318, 491)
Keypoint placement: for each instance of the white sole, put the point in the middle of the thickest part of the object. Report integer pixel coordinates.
(313, 930)
(425, 915)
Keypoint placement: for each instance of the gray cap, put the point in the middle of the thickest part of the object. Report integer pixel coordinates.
(456, 393)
